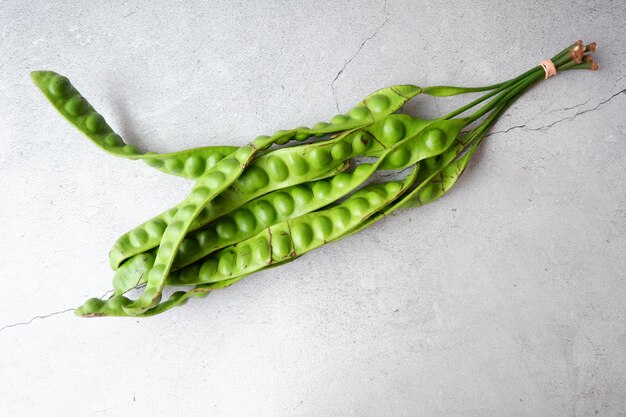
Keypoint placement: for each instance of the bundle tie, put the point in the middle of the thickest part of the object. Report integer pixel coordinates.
(548, 67)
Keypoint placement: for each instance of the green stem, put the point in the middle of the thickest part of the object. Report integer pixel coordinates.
(562, 63)
(480, 132)
(558, 58)
(505, 96)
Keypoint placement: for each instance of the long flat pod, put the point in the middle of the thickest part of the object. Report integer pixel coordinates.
(208, 186)
(279, 243)
(76, 109)
(294, 201)
(114, 306)
(433, 139)
(192, 163)
(278, 169)
(289, 238)
(439, 180)
(376, 106)
(438, 183)
(244, 222)
(292, 237)
(275, 170)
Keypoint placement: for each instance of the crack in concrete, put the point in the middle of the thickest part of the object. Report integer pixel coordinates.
(24, 323)
(45, 316)
(345, 65)
(568, 118)
(571, 108)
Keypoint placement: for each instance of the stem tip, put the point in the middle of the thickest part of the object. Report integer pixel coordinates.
(591, 47)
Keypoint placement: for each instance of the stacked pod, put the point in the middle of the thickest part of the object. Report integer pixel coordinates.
(264, 204)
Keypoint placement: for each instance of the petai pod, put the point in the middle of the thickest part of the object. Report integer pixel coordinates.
(452, 165)
(391, 130)
(290, 238)
(432, 140)
(438, 183)
(208, 186)
(72, 105)
(376, 106)
(279, 243)
(433, 181)
(199, 291)
(349, 144)
(192, 163)
(244, 221)
(114, 306)
(277, 169)
(134, 271)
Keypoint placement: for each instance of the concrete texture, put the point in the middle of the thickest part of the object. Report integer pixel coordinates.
(507, 297)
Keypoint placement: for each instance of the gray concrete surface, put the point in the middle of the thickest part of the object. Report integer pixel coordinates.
(505, 298)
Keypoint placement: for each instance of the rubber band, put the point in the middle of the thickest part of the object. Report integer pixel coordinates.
(549, 68)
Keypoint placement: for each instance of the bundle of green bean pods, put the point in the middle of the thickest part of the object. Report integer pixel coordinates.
(263, 204)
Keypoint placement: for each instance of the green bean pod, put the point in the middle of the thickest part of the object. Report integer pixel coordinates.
(442, 174)
(436, 137)
(206, 188)
(193, 163)
(276, 244)
(223, 204)
(433, 181)
(114, 306)
(290, 238)
(376, 106)
(244, 222)
(134, 271)
(274, 170)
(391, 130)
(278, 169)
(262, 175)
(72, 105)
(199, 291)
(210, 185)
(344, 147)
(440, 183)
(434, 187)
